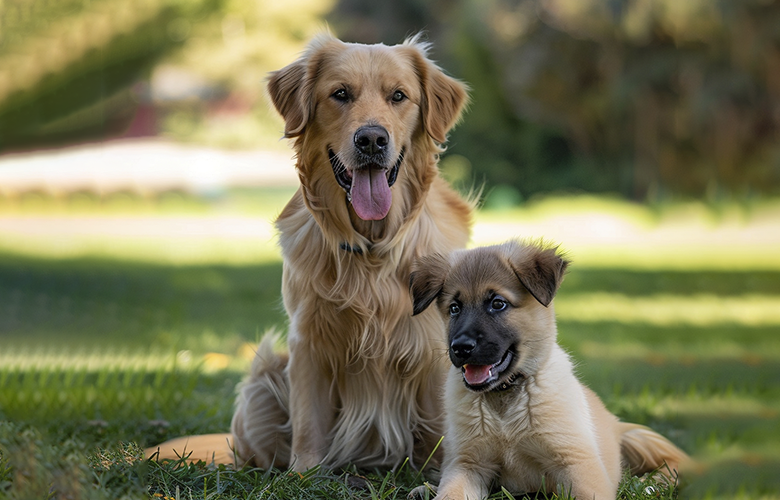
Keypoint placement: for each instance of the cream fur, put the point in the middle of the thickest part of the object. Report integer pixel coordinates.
(550, 433)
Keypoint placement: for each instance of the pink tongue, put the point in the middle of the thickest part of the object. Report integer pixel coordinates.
(371, 197)
(476, 374)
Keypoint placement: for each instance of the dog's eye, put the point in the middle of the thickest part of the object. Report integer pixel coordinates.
(498, 304)
(454, 309)
(398, 96)
(340, 95)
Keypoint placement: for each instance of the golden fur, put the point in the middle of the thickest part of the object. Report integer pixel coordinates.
(532, 425)
(363, 378)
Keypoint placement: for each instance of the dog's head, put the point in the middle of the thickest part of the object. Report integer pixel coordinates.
(364, 110)
(496, 303)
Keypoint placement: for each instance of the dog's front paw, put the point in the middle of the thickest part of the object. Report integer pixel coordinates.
(423, 492)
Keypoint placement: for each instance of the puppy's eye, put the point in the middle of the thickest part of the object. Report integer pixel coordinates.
(497, 304)
(340, 95)
(398, 96)
(454, 309)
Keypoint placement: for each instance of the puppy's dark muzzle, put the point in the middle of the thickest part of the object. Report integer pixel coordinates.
(461, 349)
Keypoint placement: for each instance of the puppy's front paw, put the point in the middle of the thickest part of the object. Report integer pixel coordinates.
(423, 492)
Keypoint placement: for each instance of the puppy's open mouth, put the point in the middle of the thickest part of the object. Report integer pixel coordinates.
(367, 187)
(483, 377)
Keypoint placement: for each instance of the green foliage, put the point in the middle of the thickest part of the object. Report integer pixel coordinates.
(75, 69)
(652, 100)
(648, 99)
(78, 56)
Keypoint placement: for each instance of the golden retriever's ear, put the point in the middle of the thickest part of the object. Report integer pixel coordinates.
(427, 280)
(292, 87)
(540, 269)
(443, 97)
(284, 87)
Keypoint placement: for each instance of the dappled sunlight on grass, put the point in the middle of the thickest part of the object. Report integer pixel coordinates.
(695, 405)
(81, 359)
(687, 353)
(603, 232)
(170, 248)
(597, 232)
(138, 327)
(663, 309)
(545, 207)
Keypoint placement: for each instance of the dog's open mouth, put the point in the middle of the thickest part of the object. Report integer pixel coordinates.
(367, 187)
(482, 377)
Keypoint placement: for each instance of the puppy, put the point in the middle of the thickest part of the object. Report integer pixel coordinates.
(516, 415)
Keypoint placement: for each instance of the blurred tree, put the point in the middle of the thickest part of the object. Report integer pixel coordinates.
(59, 58)
(648, 98)
(77, 69)
(644, 97)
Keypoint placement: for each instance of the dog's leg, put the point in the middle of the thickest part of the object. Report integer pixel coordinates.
(261, 422)
(311, 411)
(460, 482)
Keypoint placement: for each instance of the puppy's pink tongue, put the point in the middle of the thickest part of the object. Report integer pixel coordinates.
(371, 196)
(476, 374)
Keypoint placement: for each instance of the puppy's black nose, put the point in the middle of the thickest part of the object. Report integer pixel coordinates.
(462, 347)
(371, 139)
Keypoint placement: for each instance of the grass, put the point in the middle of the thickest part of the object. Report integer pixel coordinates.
(107, 347)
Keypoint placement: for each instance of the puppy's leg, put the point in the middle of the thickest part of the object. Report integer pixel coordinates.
(311, 411)
(585, 481)
(461, 482)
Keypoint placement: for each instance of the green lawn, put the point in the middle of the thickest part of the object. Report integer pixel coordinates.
(107, 347)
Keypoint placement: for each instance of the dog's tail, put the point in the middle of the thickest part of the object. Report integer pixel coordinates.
(209, 448)
(260, 427)
(261, 422)
(644, 450)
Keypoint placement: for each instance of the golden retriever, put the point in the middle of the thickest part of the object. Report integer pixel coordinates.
(516, 415)
(362, 382)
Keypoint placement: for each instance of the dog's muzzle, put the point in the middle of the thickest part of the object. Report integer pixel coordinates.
(367, 186)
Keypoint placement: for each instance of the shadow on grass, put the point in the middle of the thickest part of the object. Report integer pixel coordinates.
(98, 304)
(649, 374)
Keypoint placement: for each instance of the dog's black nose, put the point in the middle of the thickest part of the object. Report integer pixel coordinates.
(463, 347)
(371, 139)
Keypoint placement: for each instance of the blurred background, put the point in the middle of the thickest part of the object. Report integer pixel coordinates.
(649, 99)
(141, 168)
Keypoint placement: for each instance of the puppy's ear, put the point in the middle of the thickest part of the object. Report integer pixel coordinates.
(540, 269)
(292, 87)
(427, 280)
(443, 97)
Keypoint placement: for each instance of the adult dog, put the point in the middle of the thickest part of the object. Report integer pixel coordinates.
(363, 377)
(516, 414)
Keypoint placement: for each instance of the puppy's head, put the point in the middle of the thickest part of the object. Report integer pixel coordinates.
(496, 303)
(360, 108)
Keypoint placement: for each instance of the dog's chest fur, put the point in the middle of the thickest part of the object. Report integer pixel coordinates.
(352, 314)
